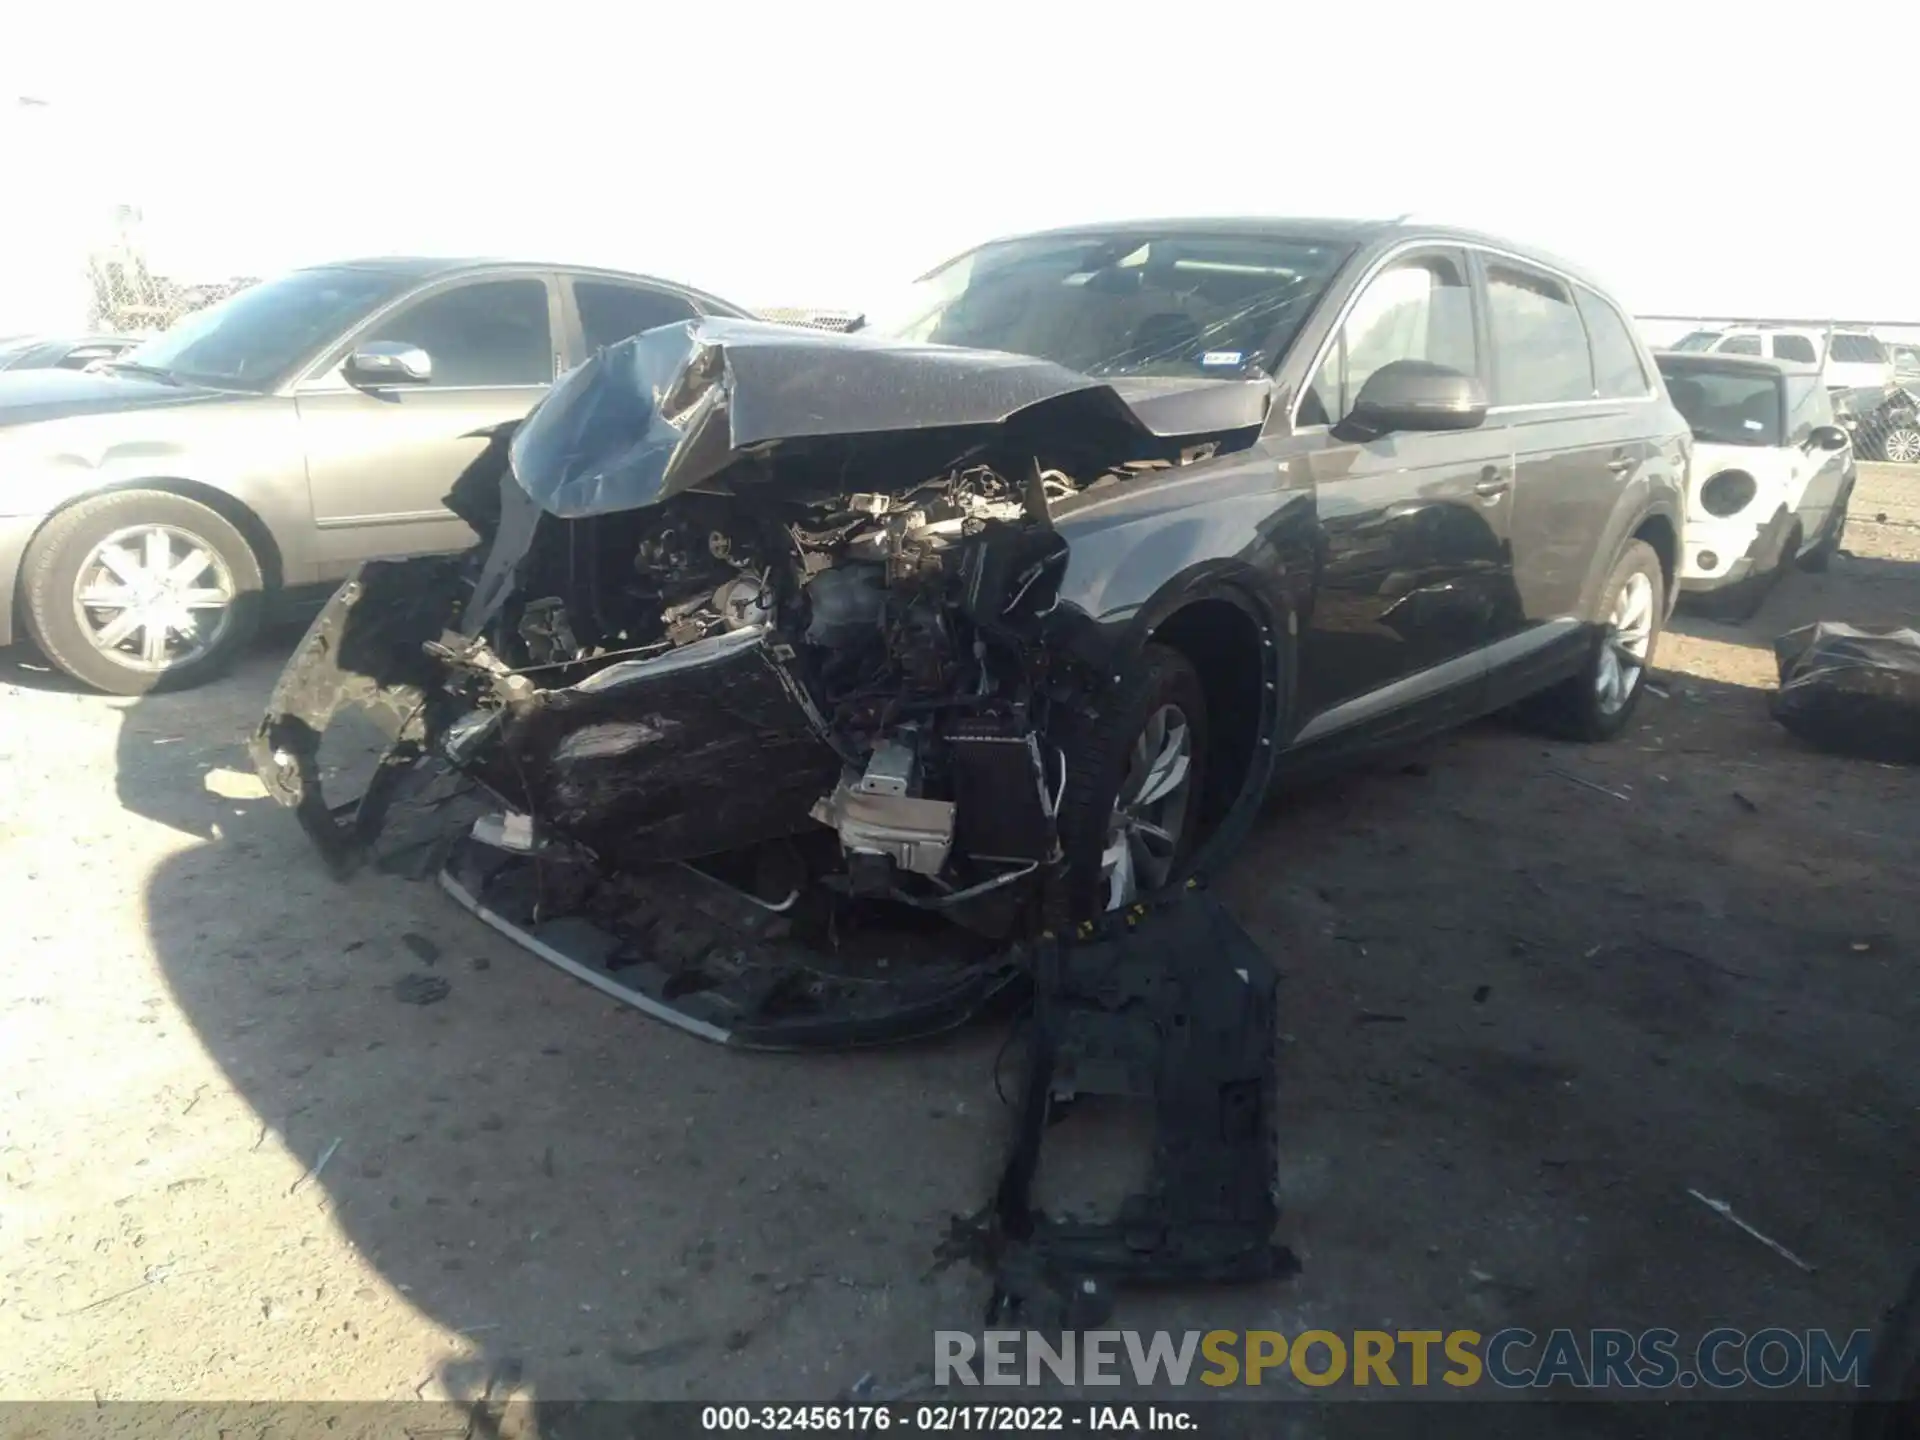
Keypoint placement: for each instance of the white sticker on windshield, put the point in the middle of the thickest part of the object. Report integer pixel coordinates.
(1220, 357)
(1752, 425)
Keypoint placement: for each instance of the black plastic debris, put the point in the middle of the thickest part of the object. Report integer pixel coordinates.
(1170, 1003)
(1851, 691)
(419, 989)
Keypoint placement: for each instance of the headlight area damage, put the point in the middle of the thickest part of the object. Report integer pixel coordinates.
(755, 708)
(764, 663)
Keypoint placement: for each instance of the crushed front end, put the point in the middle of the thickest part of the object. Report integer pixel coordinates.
(717, 624)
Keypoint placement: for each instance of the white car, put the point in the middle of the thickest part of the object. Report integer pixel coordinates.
(1855, 360)
(1771, 475)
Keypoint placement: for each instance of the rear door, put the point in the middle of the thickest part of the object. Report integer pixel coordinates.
(1412, 526)
(382, 459)
(1578, 410)
(600, 311)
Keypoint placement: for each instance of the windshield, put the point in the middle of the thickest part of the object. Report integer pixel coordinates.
(1726, 407)
(250, 340)
(1221, 306)
(1698, 342)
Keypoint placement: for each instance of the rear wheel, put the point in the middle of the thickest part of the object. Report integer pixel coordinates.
(1135, 775)
(1902, 445)
(141, 590)
(1598, 702)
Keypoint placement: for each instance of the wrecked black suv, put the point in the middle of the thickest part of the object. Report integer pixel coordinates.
(1001, 612)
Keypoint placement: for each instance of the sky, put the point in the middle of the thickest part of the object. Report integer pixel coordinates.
(824, 154)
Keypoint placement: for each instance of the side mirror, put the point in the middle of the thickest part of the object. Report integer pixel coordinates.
(388, 362)
(1414, 395)
(1828, 437)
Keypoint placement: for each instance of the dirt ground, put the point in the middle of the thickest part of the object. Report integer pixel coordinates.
(1523, 1018)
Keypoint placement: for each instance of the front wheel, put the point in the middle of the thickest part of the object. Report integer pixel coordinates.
(1135, 773)
(1598, 702)
(141, 590)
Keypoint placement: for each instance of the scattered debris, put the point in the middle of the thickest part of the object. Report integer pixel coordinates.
(1721, 1208)
(1481, 994)
(1659, 691)
(1171, 1002)
(1745, 804)
(1587, 784)
(867, 1391)
(1851, 691)
(424, 950)
(420, 989)
(318, 1166)
(234, 785)
(1378, 1017)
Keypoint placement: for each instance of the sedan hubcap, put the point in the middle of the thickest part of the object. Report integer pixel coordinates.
(1623, 651)
(153, 596)
(1903, 446)
(1150, 812)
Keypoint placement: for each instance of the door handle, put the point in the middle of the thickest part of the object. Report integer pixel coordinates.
(1492, 484)
(1620, 464)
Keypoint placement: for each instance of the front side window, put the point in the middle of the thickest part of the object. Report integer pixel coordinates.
(492, 332)
(1795, 347)
(1728, 407)
(610, 313)
(1740, 345)
(1133, 302)
(1539, 345)
(1617, 371)
(1418, 310)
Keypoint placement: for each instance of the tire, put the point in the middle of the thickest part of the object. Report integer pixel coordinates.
(1574, 709)
(64, 560)
(1821, 555)
(1105, 752)
(1901, 445)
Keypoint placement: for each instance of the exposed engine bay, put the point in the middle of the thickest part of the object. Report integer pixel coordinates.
(884, 649)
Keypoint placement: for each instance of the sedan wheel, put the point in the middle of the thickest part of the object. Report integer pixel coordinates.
(140, 590)
(1150, 813)
(1902, 446)
(153, 596)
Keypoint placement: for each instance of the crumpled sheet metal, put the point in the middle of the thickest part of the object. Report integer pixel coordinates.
(680, 406)
(1851, 691)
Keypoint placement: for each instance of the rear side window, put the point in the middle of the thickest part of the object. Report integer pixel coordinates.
(612, 313)
(1617, 371)
(1794, 347)
(1858, 350)
(1740, 345)
(1539, 345)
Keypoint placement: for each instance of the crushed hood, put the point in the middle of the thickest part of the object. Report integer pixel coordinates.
(698, 404)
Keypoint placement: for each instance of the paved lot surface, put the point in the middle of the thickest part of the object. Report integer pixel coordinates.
(1522, 1019)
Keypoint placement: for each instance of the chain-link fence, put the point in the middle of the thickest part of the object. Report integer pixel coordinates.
(129, 299)
(1871, 368)
(808, 317)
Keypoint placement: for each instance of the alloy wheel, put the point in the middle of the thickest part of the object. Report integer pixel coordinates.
(152, 597)
(1624, 649)
(1150, 812)
(1902, 446)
